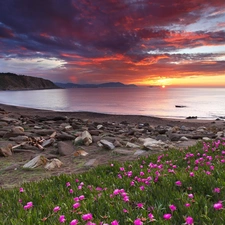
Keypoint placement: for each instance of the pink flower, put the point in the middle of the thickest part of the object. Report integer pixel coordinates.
(28, 205)
(216, 190)
(21, 190)
(74, 222)
(71, 191)
(189, 220)
(218, 206)
(115, 222)
(138, 222)
(178, 183)
(190, 196)
(187, 205)
(87, 216)
(81, 197)
(116, 192)
(56, 209)
(76, 199)
(167, 216)
(126, 199)
(150, 216)
(142, 173)
(76, 205)
(140, 205)
(62, 219)
(68, 184)
(142, 188)
(173, 207)
(125, 211)
(191, 174)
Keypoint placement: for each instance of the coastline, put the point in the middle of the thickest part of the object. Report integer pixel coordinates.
(103, 117)
(26, 133)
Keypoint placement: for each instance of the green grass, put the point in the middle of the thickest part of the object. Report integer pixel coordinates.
(155, 188)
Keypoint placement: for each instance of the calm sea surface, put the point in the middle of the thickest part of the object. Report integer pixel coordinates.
(206, 103)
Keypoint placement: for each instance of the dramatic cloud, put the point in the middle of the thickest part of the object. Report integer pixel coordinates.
(94, 41)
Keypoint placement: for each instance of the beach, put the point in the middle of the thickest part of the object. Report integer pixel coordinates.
(113, 138)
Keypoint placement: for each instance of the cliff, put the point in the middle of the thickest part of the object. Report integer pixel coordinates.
(10, 81)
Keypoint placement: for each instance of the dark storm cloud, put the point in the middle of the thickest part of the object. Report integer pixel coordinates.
(105, 37)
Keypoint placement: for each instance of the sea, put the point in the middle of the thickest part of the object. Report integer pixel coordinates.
(205, 103)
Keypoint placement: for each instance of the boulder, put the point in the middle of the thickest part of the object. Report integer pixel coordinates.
(3, 124)
(100, 127)
(52, 164)
(162, 137)
(183, 138)
(64, 136)
(132, 145)
(139, 152)
(65, 148)
(152, 144)
(85, 137)
(121, 151)
(17, 130)
(94, 132)
(91, 163)
(107, 144)
(6, 150)
(19, 138)
(44, 132)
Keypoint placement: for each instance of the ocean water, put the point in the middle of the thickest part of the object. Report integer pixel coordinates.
(205, 103)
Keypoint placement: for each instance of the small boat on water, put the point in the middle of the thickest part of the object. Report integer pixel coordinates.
(180, 106)
(191, 117)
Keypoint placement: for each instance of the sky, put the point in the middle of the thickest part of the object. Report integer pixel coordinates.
(142, 42)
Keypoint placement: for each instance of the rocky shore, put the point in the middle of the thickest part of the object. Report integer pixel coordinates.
(52, 143)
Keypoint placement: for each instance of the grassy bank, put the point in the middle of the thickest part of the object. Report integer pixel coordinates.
(175, 187)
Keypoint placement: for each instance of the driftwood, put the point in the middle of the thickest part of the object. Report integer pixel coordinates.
(35, 162)
(41, 160)
(38, 142)
(23, 150)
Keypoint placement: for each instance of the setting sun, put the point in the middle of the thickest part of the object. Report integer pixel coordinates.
(163, 86)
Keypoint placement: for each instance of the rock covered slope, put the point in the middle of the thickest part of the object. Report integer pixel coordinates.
(10, 81)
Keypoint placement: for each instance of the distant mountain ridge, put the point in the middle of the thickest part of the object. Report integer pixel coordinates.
(103, 85)
(11, 81)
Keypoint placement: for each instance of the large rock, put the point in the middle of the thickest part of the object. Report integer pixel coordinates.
(84, 137)
(52, 164)
(121, 151)
(19, 138)
(152, 144)
(6, 150)
(132, 145)
(107, 144)
(64, 136)
(65, 148)
(17, 130)
(44, 132)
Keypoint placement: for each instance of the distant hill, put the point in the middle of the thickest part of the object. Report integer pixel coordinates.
(11, 81)
(103, 85)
